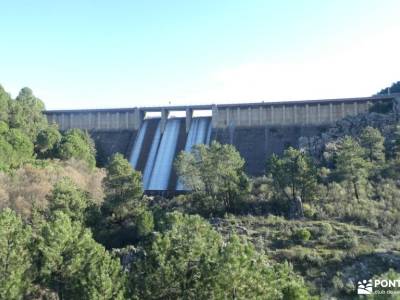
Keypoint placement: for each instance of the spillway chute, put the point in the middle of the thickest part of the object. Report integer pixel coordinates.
(154, 151)
(199, 133)
(151, 157)
(137, 147)
(162, 168)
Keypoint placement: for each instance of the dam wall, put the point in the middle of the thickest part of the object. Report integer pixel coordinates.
(257, 130)
(97, 119)
(312, 112)
(297, 113)
(257, 143)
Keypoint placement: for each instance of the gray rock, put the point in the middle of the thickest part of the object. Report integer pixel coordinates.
(296, 208)
(351, 126)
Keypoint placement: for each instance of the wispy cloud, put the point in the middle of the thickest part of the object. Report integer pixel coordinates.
(358, 68)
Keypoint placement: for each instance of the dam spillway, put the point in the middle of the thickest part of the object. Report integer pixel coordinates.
(154, 151)
(199, 133)
(162, 164)
(257, 130)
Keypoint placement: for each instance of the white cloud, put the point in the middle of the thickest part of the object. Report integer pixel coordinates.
(358, 68)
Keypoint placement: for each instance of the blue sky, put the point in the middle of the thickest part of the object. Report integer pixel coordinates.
(87, 54)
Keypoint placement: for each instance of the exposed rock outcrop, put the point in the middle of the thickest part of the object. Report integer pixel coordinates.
(350, 126)
(296, 208)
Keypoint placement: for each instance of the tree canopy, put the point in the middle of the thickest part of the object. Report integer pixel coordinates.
(15, 256)
(68, 198)
(124, 213)
(293, 175)
(26, 113)
(189, 259)
(73, 265)
(373, 141)
(216, 171)
(25, 134)
(394, 88)
(351, 166)
(48, 140)
(77, 144)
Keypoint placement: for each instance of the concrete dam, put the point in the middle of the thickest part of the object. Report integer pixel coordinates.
(151, 137)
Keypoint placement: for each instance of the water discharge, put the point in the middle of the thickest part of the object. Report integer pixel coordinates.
(162, 149)
(199, 133)
(165, 157)
(138, 145)
(151, 157)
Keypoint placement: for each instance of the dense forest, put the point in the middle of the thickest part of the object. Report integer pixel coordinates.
(321, 218)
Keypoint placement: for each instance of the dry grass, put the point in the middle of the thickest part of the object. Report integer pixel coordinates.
(28, 186)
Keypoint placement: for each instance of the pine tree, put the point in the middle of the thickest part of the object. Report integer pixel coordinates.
(190, 260)
(73, 265)
(293, 175)
(215, 171)
(5, 100)
(26, 113)
(77, 144)
(68, 198)
(15, 256)
(125, 216)
(47, 141)
(351, 166)
(373, 142)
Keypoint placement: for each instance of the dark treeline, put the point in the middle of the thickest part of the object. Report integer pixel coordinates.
(394, 88)
(70, 230)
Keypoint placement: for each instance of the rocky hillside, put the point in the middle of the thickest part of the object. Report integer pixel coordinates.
(330, 255)
(380, 117)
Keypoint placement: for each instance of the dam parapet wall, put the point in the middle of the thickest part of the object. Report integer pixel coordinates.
(290, 113)
(311, 112)
(96, 119)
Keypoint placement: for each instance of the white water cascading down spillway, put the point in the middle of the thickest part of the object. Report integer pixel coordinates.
(137, 147)
(162, 152)
(151, 158)
(159, 178)
(199, 133)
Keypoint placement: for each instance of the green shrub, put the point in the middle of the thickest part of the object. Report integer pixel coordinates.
(325, 229)
(309, 210)
(301, 235)
(337, 283)
(349, 241)
(145, 223)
